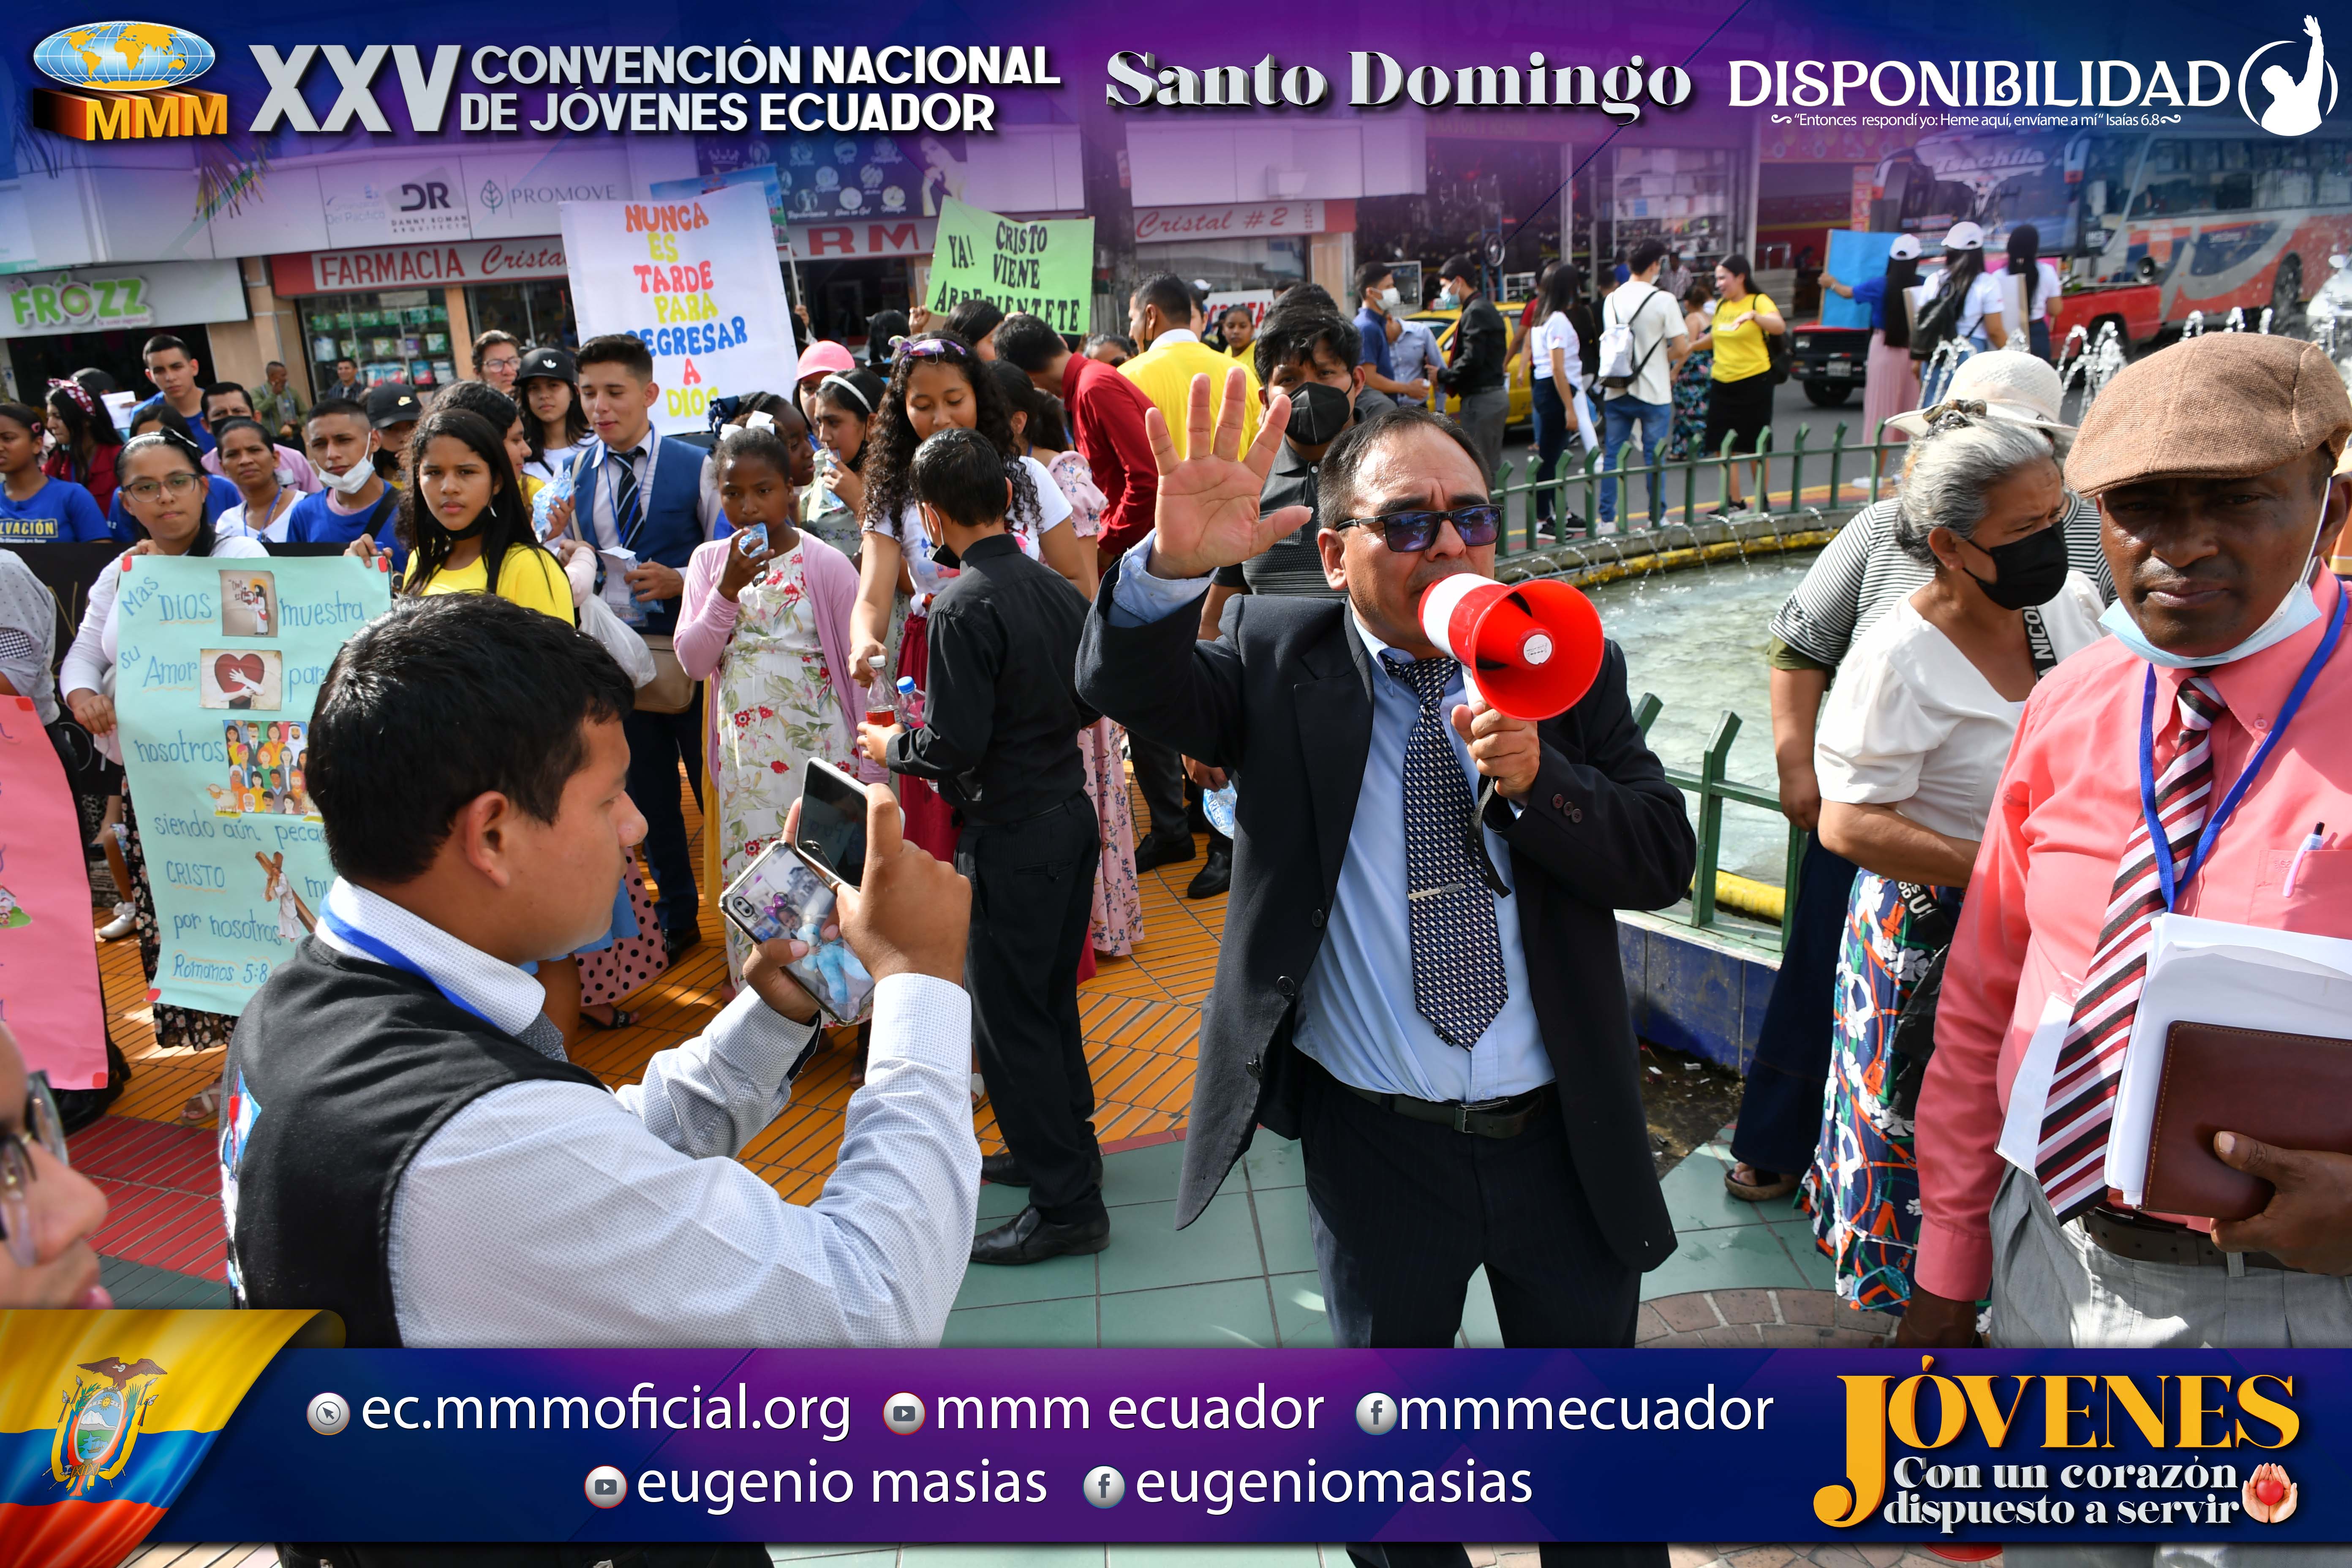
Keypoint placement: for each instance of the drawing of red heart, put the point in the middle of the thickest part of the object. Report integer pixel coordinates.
(229, 666)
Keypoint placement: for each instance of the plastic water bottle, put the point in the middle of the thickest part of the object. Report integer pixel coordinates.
(910, 702)
(1217, 805)
(879, 707)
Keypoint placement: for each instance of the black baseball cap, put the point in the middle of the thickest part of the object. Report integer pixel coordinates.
(552, 364)
(393, 402)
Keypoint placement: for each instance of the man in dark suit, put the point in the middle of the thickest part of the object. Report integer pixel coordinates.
(1439, 1017)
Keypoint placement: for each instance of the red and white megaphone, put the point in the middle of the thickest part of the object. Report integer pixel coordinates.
(1531, 649)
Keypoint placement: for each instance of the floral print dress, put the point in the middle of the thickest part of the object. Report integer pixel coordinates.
(777, 709)
(1118, 921)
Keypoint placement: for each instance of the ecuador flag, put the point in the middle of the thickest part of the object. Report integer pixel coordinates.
(105, 1416)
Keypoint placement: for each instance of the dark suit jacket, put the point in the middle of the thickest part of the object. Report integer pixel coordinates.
(1285, 700)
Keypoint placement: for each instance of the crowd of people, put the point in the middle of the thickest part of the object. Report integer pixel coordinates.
(988, 571)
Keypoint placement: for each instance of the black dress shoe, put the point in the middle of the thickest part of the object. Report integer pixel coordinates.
(1216, 874)
(681, 940)
(1154, 853)
(1029, 1237)
(1002, 1169)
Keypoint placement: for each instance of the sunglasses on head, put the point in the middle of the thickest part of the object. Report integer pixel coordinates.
(1409, 533)
(932, 348)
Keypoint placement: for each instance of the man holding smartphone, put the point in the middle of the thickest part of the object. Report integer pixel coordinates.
(1000, 738)
(403, 1139)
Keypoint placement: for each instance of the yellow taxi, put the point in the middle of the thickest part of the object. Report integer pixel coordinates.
(1440, 325)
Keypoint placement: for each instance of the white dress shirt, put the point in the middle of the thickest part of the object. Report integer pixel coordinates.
(554, 1213)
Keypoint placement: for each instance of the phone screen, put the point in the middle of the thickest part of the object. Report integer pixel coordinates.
(833, 820)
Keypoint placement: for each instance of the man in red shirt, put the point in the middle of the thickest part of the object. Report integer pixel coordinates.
(1106, 421)
(2212, 463)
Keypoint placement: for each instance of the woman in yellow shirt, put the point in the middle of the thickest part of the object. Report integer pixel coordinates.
(465, 522)
(1739, 402)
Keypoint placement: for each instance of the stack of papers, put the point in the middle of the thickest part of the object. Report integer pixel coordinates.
(2217, 972)
(2201, 972)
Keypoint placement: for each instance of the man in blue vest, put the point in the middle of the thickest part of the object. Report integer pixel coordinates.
(644, 503)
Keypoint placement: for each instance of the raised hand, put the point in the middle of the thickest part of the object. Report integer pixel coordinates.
(1208, 512)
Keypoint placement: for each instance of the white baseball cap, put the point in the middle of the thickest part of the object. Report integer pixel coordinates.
(1964, 236)
(2015, 386)
(1905, 248)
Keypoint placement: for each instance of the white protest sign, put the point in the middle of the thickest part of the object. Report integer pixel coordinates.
(696, 279)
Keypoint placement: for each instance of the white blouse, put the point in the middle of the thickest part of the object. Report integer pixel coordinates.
(929, 576)
(1912, 724)
(91, 660)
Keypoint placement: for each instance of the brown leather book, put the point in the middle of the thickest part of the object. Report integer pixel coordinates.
(2292, 1092)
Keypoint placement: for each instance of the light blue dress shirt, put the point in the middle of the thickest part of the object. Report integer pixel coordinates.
(1355, 1012)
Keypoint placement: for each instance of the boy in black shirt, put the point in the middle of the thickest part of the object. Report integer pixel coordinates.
(999, 737)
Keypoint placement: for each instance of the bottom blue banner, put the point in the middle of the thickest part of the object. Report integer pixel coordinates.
(1167, 1446)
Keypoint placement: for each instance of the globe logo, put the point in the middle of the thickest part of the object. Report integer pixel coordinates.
(123, 56)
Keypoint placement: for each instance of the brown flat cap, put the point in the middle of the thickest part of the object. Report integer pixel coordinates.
(2216, 406)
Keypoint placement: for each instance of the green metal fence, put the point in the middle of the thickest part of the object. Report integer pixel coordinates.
(1712, 790)
(1778, 476)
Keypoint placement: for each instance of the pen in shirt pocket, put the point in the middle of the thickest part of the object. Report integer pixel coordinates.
(2294, 867)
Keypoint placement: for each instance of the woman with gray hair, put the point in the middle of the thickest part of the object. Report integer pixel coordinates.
(1909, 753)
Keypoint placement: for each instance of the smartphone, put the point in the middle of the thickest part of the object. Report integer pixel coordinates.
(833, 821)
(780, 896)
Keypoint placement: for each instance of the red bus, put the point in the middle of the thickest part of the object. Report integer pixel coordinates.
(2148, 226)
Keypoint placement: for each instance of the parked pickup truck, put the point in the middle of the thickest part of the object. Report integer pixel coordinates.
(1827, 360)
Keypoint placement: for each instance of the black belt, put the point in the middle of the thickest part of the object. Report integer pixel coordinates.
(2143, 1239)
(1480, 1119)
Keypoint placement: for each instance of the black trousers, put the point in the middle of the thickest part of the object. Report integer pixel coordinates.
(1780, 1105)
(1031, 891)
(1159, 771)
(1404, 1212)
(1407, 1211)
(657, 744)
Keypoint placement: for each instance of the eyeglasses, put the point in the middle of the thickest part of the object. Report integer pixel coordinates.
(180, 484)
(502, 363)
(1410, 532)
(42, 1126)
(932, 348)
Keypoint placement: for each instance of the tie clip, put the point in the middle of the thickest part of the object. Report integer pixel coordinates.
(1436, 892)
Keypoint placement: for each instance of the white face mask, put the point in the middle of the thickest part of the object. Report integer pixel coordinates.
(353, 479)
(1391, 298)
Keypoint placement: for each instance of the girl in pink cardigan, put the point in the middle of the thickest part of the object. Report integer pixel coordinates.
(770, 620)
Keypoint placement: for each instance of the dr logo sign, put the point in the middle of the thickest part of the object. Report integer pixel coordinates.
(2048, 1428)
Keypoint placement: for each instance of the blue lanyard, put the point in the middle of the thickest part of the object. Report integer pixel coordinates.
(386, 953)
(2157, 841)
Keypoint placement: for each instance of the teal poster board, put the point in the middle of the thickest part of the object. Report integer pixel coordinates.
(219, 661)
(1854, 255)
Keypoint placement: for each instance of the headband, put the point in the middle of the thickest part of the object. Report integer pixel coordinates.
(173, 440)
(78, 392)
(849, 386)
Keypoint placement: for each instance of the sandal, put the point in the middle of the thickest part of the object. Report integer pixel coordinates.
(201, 1108)
(1778, 1186)
(620, 1019)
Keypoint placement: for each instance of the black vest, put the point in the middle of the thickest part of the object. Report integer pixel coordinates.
(340, 1070)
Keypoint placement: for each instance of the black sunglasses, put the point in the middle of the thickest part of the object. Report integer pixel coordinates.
(1409, 533)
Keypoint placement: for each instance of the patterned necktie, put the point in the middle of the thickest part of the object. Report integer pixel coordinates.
(627, 509)
(2071, 1161)
(1458, 983)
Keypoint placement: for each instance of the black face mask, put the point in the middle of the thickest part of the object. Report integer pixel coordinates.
(2031, 569)
(1317, 414)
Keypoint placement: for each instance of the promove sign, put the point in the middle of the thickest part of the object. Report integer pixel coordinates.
(416, 265)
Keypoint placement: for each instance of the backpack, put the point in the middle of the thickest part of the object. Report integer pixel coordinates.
(1619, 368)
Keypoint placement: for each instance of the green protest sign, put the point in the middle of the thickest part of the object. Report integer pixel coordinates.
(1042, 267)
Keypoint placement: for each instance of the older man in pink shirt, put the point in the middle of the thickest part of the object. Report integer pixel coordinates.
(2212, 464)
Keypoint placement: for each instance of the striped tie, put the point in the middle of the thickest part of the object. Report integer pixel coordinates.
(2071, 1161)
(628, 506)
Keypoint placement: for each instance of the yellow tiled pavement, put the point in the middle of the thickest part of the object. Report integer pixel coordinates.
(1140, 1015)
